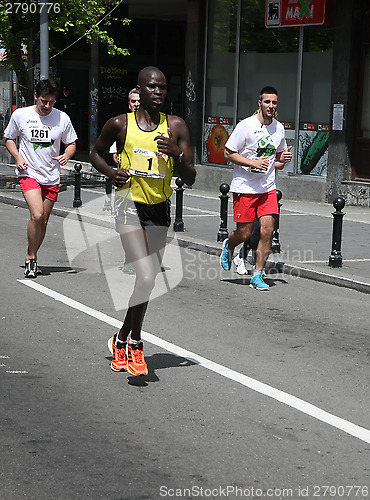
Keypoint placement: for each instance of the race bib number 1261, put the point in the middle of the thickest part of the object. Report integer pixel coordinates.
(40, 135)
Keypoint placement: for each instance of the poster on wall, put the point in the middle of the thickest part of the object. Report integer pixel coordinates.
(313, 149)
(289, 139)
(216, 131)
(2, 53)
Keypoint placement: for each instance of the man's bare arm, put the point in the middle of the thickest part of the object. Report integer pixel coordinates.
(108, 135)
(179, 142)
(13, 150)
(68, 153)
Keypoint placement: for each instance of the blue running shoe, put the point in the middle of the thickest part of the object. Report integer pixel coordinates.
(226, 256)
(258, 283)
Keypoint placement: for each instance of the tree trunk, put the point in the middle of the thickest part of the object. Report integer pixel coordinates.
(23, 76)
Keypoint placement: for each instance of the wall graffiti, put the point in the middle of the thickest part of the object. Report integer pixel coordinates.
(94, 99)
(118, 93)
(190, 89)
(113, 72)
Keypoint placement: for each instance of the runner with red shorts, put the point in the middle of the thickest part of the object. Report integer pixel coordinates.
(41, 129)
(256, 147)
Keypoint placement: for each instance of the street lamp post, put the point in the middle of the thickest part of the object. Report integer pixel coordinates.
(44, 40)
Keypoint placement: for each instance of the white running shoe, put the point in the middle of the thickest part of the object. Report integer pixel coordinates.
(241, 265)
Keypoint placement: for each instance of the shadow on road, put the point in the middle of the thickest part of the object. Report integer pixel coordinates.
(48, 270)
(157, 361)
(246, 281)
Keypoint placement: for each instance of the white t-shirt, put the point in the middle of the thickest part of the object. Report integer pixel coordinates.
(252, 140)
(113, 148)
(40, 138)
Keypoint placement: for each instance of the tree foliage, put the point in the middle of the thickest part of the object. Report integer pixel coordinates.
(20, 23)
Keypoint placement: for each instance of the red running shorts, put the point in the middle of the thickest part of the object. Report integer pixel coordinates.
(249, 206)
(29, 183)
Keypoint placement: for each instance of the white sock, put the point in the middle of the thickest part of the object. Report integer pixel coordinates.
(256, 272)
(133, 342)
(118, 341)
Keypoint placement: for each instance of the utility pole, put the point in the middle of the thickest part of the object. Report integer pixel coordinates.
(44, 40)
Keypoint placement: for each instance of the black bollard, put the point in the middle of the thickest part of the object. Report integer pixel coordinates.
(178, 225)
(335, 258)
(223, 233)
(275, 244)
(77, 202)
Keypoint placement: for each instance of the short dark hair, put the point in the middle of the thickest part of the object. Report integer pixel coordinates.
(267, 90)
(46, 87)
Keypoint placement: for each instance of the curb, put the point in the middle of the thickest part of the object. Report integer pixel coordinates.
(205, 247)
(311, 274)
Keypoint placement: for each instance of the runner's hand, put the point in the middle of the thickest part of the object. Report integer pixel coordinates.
(22, 164)
(119, 176)
(262, 163)
(61, 159)
(286, 155)
(167, 145)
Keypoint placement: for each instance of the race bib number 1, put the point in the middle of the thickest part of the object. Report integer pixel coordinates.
(146, 163)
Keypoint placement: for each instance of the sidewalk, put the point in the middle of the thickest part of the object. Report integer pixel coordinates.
(305, 229)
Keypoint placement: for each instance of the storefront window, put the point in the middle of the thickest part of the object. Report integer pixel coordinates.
(267, 57)
(315, 100)
(243, 56)
(220, 78)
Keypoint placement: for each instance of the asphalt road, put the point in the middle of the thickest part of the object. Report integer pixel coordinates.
(249, 394)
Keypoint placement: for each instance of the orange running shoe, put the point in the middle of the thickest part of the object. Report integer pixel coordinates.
(119, 361)
(136, 364)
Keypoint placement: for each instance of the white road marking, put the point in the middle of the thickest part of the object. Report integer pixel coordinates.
(193, 216)
(299, 404)
(201, 210)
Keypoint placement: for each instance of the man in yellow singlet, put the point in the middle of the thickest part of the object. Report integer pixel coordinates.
(148, 144)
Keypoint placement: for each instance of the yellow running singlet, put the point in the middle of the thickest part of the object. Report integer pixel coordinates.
(151, 171)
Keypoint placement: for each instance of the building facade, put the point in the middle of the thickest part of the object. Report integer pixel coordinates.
(217, 55)
(321, 72)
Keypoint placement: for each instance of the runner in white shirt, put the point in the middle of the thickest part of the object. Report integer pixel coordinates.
(256, 147)
(41, 129)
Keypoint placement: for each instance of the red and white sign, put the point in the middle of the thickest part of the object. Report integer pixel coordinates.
(309, 126)
(285, 13)
(220, 120)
